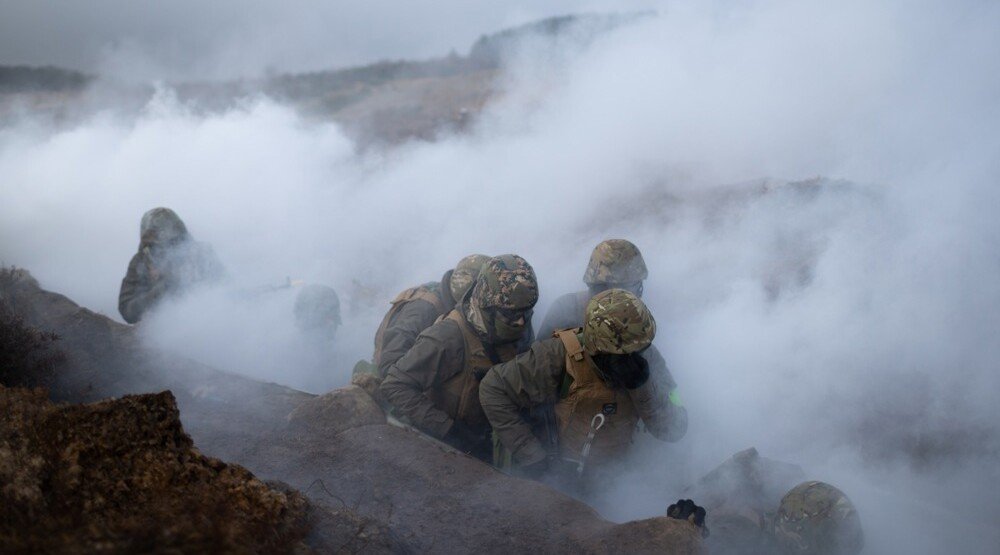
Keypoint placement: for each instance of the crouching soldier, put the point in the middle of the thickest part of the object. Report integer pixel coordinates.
(572, 403)
(168, 261)
(434, 386)
(417, 308)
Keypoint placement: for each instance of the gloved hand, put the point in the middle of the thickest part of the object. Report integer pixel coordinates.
(628, 371)
(685, 509)
(462, 438)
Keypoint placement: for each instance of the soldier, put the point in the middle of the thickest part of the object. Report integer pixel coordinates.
(615, 263)
(435, 384)
(317, 311)
(168, 261)
(812, 518)
(583, 392)
(417, 308)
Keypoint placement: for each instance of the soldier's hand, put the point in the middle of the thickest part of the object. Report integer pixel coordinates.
(685, 509)
(461, 438)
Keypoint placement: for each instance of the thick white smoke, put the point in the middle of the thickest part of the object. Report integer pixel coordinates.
(848, 326)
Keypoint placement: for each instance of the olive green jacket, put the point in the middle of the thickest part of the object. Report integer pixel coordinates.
(437, 354)
(535, 378)
(414, 317)
(568, 311)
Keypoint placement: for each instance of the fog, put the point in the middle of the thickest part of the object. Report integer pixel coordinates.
(849, 325)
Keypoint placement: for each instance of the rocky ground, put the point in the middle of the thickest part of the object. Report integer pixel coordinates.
(355, 483)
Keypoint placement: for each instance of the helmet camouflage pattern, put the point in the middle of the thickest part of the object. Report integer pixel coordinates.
(817, 518)
(506, 282)
(618, 322)
(161, 225)
(464, 275)
(615, 261)
(317, 307)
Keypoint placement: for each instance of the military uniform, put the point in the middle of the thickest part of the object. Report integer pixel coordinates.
(434, 386)
(168, 261)
(753, 509)
(595, 414)
(614, 263)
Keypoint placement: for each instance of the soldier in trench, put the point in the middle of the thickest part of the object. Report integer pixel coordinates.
(168, 261)
(568, 408)
(434, 386)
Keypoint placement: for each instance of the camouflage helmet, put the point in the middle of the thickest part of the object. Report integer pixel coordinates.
(815, 517)
(617, 322)
(506, 282)
(464, 275)
(615, 261)
(317, 307)
(161, 225)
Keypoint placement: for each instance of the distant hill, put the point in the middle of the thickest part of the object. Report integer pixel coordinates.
(383, 103)
(20, 79)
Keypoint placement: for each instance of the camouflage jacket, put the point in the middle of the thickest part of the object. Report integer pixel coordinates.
(402, 328)
(156, 272)
(534, 379)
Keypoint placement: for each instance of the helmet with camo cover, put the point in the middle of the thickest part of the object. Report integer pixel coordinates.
(161, 225)
(615, 262)
(317, 307)
(464, 275)
(817, 518)
(618, 322)
(506, 282)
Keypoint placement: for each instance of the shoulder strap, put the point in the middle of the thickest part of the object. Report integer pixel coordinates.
(423, 292)
(569, 340)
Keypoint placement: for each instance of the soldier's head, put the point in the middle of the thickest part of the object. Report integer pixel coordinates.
(615, 264)
(161, 226)
(817, 518)
(465, 274)
(317, 310)
(501, 301)
(617, 329)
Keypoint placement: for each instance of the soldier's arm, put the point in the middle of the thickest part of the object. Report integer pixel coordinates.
(139, 291)
(431, 360)
(402, 332)
(657, 401)
(528, 380)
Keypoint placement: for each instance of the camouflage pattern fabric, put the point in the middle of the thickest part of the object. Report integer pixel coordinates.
(506, 282)
(617, 323)
(317, 307)
(615, 261)
(465, 274)
(161, 226)
(817, 518)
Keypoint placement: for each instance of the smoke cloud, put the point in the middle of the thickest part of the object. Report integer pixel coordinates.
(847, 324)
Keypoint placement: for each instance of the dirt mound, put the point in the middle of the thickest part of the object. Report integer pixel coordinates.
(122, 476)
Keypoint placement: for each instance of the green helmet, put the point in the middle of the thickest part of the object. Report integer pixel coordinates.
(617, 323)
(465, 274)
(506, 282)
(317, 307)
(615, 261)
(817, 518)
(161, 225)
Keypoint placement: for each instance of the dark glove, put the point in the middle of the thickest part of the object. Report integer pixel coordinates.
(462, 438)
(685, 509)
(628, 371)
(535, 470)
